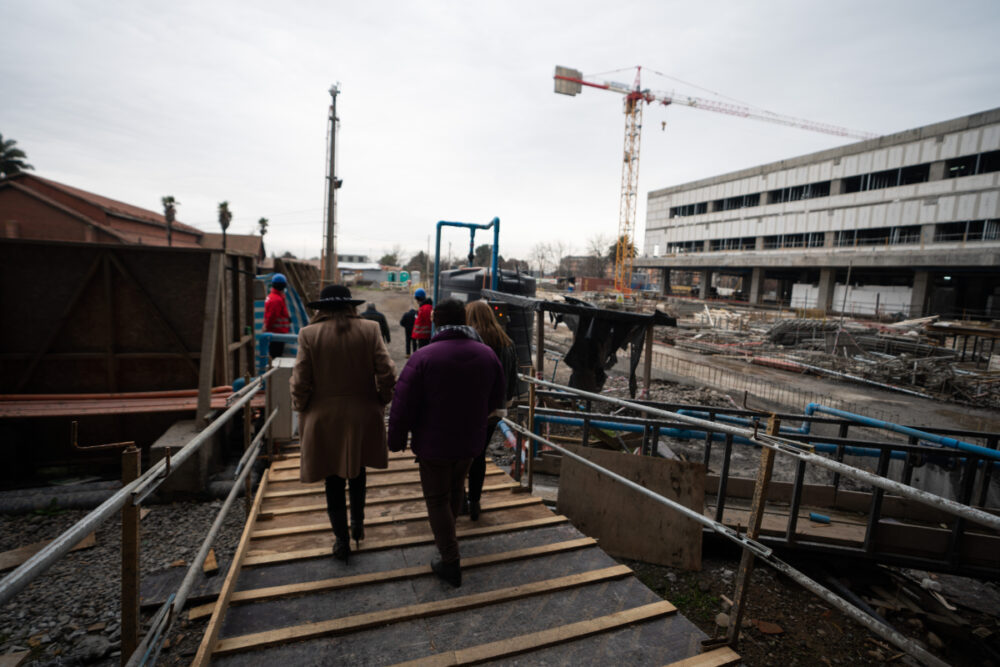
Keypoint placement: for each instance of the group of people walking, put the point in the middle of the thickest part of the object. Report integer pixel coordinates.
(446, 403)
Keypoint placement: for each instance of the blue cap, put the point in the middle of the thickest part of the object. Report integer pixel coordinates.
(278, 279)
(420, 293)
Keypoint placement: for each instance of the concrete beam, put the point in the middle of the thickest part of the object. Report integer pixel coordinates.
(983, 256)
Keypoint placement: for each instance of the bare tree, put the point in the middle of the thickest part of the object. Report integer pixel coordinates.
(597, 247)
(541, 253)
(557, 252)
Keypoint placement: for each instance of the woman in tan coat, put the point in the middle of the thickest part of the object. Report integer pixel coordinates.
(342, 381)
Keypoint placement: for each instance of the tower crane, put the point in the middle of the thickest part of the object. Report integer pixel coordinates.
(570, 82)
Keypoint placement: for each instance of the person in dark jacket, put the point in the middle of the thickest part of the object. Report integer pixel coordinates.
(370, 313)
(443, 398)
(481, 318)
(407, 321)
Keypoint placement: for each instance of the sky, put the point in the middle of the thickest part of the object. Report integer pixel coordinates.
(447, 109)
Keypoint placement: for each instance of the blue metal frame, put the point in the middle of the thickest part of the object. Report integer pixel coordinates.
(472, 227)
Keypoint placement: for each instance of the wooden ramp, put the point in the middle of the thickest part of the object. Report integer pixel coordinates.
(535, 590)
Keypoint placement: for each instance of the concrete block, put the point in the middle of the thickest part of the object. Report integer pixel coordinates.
(192, 477)
(279, 396)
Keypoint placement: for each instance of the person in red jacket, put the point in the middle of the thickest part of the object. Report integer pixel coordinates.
(276, 317)
(422, 325)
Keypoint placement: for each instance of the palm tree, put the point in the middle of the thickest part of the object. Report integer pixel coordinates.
(262, 226)
(225, 215)
(169, 212)
(11, 158)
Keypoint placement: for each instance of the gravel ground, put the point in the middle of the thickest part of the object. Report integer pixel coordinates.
(71, 614)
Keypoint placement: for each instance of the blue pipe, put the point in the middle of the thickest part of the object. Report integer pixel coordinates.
(968, 447)
(741, 421)
(686, 434)
(472, 227)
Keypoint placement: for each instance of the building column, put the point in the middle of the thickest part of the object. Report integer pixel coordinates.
(829, 239)
(827, 281)
(921, 290)
(927, 233)
(756, 285)
(664, 282)
(759, 243)
(936, 171)
(704, 283)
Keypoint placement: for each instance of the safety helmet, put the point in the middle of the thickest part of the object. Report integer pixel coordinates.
(279, 279)
(420, 293)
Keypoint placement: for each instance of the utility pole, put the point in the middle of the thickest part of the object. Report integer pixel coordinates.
(332, 185)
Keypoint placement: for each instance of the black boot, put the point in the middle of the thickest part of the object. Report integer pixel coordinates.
(342, 549)
(336, 508)
(357, 488)
(450, 572)
(474, 510)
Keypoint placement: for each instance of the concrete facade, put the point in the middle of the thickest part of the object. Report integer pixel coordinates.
(919, 209)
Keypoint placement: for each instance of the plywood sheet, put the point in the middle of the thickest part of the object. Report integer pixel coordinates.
(626, 523)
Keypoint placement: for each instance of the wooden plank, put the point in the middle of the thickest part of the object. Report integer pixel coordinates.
(402, 498)
(209, 334)
(392, 518)
(15, 557)
(395, 467)
(293, 461)
(627, 523)
(341, 583)
(211, 565)
(266, 559)
(422, 610)
(317, 488)
(720, 657)
(14, 659)
(535, 641)
(211, 635)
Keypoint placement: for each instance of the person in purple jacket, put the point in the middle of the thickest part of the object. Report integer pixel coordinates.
(443, 398)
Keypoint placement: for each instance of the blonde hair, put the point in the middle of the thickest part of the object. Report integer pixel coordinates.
(480, 317)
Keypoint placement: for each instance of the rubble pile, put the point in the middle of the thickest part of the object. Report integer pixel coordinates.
(918, 357)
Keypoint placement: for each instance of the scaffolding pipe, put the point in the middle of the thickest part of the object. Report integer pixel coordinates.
(968, 447)
(901, 641)
(794, 449)
(12, 584)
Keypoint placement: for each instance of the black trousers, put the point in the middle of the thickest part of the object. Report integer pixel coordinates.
(442, 482)
(411, 345)
(477, 471)
(275, 349)
(336, 504)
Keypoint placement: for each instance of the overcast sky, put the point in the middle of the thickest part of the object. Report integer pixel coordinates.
(447, 108)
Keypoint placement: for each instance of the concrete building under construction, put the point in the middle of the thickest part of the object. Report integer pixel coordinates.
(913, 217)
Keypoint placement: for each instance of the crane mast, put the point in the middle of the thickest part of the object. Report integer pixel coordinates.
(625, 244)
(570, 82)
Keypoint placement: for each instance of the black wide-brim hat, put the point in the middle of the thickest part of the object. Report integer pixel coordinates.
(333, 296)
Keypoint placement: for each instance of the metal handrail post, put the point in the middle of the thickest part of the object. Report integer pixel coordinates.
(131, 469)
(753, 531)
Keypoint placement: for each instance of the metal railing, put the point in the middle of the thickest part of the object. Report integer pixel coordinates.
(127, 500)
(774, 441)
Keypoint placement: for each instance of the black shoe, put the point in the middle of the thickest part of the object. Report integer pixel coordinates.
(450, 573)
(357, 533)
(342, 550)
(474, 510)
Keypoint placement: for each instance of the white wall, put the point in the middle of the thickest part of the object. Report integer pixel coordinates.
(861, 299)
